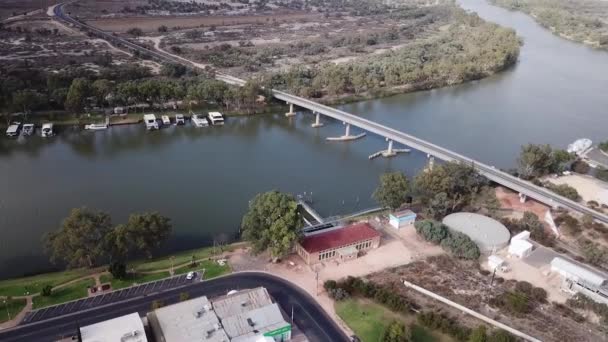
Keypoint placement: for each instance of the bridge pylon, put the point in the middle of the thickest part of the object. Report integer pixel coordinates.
(291, 112)
(317, 122)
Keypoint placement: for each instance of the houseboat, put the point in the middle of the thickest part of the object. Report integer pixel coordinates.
(13, 130)
(199, 120)
(28, 129)
(96, 127)
(166, 120)
(150, 121)
(47, 130)
(216, 118)
(179, 119)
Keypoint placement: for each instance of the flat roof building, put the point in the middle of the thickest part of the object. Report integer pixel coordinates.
(581, 278)
(191, 320)
(241, 302)
(249, 326)
(129, 328)
(402, 219)
(342, 243)
(489, 234)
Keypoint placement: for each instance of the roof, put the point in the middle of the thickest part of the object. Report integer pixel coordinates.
(149, 116)
(403, 213)
(127, 328)
(519, 246)
(495, 260)
(486, 232)
(217, 114)
(254, 322)
(191, 320)
(241, 302)
(578, 271)
(339, 237)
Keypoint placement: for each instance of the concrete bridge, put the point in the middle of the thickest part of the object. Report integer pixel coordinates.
(525, 188)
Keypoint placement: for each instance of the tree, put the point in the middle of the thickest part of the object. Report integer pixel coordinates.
(272, 222)
(479, 334)
(432, 231)
(602, 174)
(135, 31)
(604, 146)
(47, 290)
(148, 231)
(101, 89)
(564, 190)
(438, 207)
(534, 161)
(80, 240)
(118, 269)
(77, 94)
(461, 246)
(397, 332)
(26, 100)
(163, 28)
(531, 223)
(393, 189)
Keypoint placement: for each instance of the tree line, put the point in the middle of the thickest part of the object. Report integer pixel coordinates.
(87, 238)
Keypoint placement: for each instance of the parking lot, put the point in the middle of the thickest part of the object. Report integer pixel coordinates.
(108, 298)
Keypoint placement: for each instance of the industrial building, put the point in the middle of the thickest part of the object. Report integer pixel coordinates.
(243, 316)
(520, 246)
(579, 278)
(489, 234)
(341, 243)
(129, 328)
(402, 219)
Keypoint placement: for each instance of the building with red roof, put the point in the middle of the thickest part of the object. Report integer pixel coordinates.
(343, 243)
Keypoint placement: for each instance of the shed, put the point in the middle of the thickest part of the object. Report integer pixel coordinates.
(520, 248)
(578, 273)
(494, 262)
(402, 219)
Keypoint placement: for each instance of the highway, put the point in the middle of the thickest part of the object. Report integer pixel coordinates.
(524, 187)
(308, 315)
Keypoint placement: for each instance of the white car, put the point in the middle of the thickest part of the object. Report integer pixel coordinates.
(190, 275)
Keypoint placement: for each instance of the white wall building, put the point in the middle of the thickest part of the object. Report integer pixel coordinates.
(583, 279)
(520, 246)
(129, 328)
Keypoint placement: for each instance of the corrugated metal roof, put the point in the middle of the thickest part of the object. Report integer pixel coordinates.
(241, 302)
(581, 272)
(339, 238)
(254, 322)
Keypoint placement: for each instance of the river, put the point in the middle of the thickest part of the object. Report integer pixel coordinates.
(203, 178)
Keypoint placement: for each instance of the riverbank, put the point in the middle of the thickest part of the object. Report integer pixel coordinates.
(579, 21)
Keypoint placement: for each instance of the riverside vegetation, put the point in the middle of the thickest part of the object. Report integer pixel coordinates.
(583, 21)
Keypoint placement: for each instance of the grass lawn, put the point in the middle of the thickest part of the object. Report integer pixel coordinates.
(133, 279)
(179, 258)
(64, 294)
(14, 307)
(34, 284)
(212, 269)
(369, 320)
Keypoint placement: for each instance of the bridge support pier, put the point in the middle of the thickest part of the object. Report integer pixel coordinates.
(522, 198)
(291, 112)
(346, 136)
(389, 152)
(317, 122)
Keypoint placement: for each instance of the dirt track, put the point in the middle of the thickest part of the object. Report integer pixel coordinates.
(151, 24)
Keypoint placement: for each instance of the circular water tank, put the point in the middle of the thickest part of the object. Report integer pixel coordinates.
(489, 234)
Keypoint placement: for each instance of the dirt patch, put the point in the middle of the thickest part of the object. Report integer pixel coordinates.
(462, 282)
(151, 24)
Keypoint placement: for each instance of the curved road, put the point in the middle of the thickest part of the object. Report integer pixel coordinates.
(308, 315)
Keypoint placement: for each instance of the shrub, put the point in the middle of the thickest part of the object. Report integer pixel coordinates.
(479, 334)
(580, 166)
(432, 231)
(396, 332)
(184, 296)
(47, 291)
(539, 294)
(157, 304)
(524, 286)
(118, 270)
(443, 323)
(338, 294)
(502, 336)
(602, 174)
(135, 31)
(461, 246)
(564, 190)
(330, 284)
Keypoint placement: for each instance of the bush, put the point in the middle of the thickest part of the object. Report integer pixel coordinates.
(564, 190)
(397, 332)
(539, 294)
(47, 291)
(330, 285)
(118, 270)
(135, 31)
(432, 231)
(157, 304)
(184, 296)
(602, 174)
(502, 336)
(580, 166)
(338, 294)
(461, 246)
(439, 321)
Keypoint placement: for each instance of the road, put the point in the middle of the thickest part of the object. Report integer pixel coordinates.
(524, 187)
(308, 315)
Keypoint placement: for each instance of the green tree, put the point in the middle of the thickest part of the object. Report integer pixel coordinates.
(80, 240)
(393, 189)
(148, 231)
(77, 95)
(438, 207)
(564, 190)
(604, 146)
(26, 100)
(135, 31)
(534, 161)
(432, 231)
(479, 334)
(272, 222)
(47, 290)
(602, 174)
(118, 269)
(397, 332)
(461, 246)
(101, 89)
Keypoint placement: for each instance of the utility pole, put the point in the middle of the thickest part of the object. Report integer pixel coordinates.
(493, 274)
(9, 314)
(172, 271)
(292, 314)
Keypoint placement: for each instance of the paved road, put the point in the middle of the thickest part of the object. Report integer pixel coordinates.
(308, 315)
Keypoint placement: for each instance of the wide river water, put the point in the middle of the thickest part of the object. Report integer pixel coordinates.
(203, 178)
